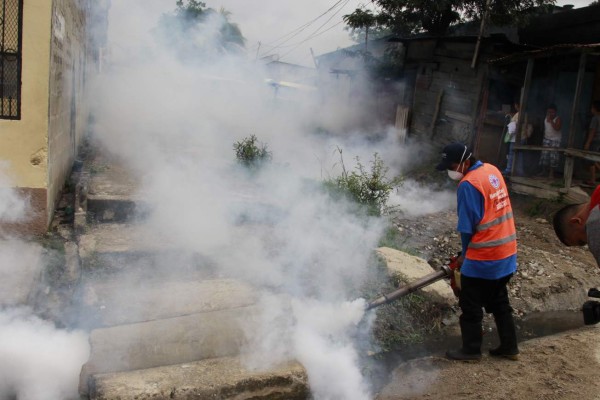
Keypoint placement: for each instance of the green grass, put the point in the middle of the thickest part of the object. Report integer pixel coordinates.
(408, 320)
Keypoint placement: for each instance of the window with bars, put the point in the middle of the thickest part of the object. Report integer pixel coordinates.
(11, 28)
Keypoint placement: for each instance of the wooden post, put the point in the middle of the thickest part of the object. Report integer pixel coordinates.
(436, 112)
(569, 160)
(481, 32)
(480, 110)
(401, 122)
(522, 110)
(481, 119)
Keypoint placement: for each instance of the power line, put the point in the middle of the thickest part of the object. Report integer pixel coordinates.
(316, 33)
(300, 29)
(314, 36)
(306, 25)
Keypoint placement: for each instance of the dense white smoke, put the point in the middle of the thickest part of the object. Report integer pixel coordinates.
(37, 361)
(175, 123)
(322, 341)
(414, 199)
(12, 207)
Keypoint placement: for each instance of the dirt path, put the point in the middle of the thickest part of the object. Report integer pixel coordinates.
(565, 366)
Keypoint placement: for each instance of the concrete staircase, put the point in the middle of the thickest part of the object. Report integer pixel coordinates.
(163, 324)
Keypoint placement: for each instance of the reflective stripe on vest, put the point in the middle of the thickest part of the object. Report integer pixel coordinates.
(493, 243)
(499, 220)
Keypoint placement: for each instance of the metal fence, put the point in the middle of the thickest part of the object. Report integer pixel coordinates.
(11, 29)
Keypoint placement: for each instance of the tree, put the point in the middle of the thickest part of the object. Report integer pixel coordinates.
(191, 11)
(231, 32)
(361, 19)
(196, 30)
(436, 16)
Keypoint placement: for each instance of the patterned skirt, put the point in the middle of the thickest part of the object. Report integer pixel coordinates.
(550, 158)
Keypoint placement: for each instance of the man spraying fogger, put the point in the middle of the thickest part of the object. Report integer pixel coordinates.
(489, 252)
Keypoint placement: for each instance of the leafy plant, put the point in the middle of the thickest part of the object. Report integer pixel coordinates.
(179, 29)
(370, 188)
(250, 153)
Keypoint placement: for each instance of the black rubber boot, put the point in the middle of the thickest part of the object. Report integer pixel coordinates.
(508, 354)
(508, 348)
(460, 355)
(471, 338)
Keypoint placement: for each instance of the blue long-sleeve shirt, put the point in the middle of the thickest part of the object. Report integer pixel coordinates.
(470, 212)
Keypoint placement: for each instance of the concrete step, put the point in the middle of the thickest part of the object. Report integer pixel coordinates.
(124, 239)
(218, 378)
(112, 191)
(118, 301)
(168, 341)
(137, 250)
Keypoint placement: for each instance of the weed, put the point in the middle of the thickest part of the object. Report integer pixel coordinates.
(98, 169)
(370, 189)
(393, 239)
(536, 208)
(408, 320)
(390, 238)
(52, 242)
(250, 153)
(543, 207)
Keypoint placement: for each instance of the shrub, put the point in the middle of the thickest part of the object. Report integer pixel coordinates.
(250, 153)
(369, 188)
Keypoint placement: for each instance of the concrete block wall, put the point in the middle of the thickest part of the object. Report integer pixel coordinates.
(71, 62)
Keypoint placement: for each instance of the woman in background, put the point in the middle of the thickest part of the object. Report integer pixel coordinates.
(549, 159)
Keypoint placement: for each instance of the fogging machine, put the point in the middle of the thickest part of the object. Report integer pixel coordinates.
(450, 270)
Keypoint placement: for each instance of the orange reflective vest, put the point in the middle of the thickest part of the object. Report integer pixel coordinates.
(495, 236)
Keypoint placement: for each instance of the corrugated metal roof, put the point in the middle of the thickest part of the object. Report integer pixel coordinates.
(559, 49)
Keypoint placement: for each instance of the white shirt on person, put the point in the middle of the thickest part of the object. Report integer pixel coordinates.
(550, 133)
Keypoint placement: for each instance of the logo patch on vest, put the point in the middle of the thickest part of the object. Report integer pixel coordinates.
(494, 181)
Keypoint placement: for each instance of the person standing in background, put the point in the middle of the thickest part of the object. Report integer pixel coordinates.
(549, 160)
(511, 137)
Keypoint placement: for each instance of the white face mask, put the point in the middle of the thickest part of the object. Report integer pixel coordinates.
(455, 175)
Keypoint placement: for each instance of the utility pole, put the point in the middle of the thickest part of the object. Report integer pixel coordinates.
(312, 53)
